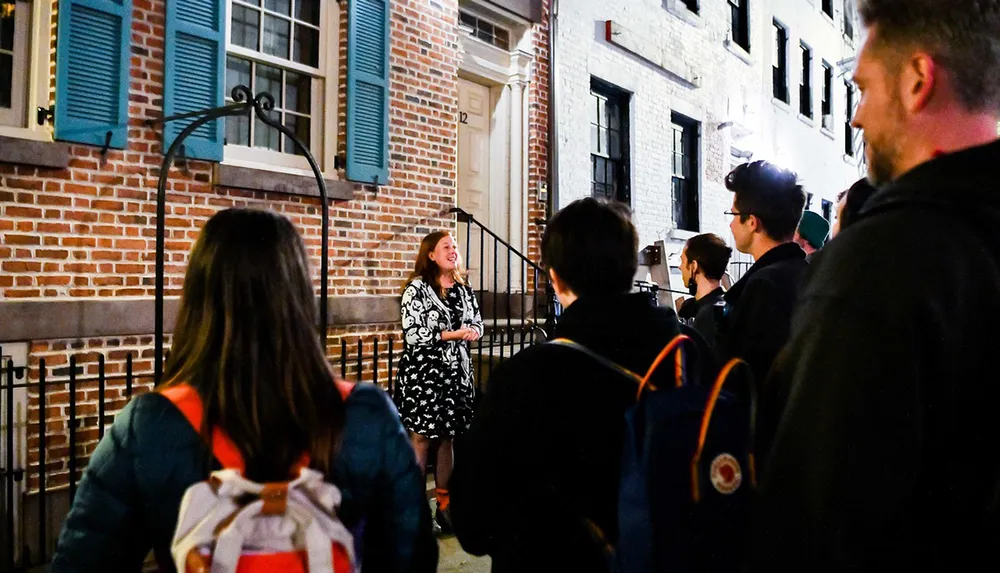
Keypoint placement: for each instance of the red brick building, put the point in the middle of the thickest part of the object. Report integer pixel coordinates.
(449, 107)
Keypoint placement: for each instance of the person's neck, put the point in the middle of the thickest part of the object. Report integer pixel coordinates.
(955, 133)
(706, 286)
(762, 245)
(446, 280)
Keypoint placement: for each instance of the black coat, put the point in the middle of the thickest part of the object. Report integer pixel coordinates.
(760, 307)
(887, 457)
(545, 447)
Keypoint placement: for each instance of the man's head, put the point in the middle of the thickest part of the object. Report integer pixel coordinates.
(929, 77)
(706, 255)
(849, 204)
(767, 204)
(812, 232)
(590, 248)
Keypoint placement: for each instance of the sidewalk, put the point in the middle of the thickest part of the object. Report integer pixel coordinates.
(453, 560)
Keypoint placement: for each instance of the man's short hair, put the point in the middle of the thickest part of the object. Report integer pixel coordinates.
(770, 193)
(711, 253)
(963, 36)
(593, 247)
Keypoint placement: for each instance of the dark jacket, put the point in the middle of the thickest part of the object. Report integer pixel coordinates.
(545, 448)
(887, 457)
(759, 308)
(130, 494)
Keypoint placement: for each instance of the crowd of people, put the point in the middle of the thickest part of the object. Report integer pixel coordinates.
(871, 345)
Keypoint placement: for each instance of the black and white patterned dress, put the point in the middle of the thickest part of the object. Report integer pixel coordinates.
(434, 388)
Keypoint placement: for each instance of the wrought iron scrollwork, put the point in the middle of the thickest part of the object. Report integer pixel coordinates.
(244, 103)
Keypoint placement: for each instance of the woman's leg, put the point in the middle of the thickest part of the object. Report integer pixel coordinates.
(442, 473)
(421, 445)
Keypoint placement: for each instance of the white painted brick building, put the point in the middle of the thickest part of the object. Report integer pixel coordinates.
(683, 60)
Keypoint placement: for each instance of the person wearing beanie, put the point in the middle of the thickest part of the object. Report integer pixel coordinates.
(812, 232)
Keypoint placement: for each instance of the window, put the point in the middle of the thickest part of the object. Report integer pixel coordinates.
(609, 141)
(740, 22)
(848, 112)
(827, 208)
(827, 104)
(692, 5)
(805, 87)
(684, 165)
(14, 33)
(809, 200)
(275, 46)
(827, 7)
(780, 66)
(486, 31)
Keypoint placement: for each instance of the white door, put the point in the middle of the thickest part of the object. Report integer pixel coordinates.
(474, 179)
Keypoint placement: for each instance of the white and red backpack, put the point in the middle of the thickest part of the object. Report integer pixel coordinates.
(229, 524)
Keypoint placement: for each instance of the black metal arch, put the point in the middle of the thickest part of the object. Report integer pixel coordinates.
(245, 104)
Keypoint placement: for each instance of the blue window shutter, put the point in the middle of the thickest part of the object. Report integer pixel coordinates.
(194, 73)
(92, 71)
(368, 91)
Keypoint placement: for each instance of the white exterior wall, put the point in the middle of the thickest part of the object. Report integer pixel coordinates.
(789, 138)
(729, 91)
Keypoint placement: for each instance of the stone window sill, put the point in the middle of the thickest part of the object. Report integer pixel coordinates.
(781, 104)
(682, 12)
(807, 120)
(276, 182)
(827, 133)
(738, 51)
(682, 234)
(49, 154)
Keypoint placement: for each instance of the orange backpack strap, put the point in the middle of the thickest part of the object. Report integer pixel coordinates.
(186, 399)
(345, 388)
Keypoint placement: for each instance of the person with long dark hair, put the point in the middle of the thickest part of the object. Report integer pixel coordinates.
(245, 343)
(440, 317)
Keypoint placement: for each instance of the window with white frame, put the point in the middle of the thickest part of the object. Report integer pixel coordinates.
(276, 46)
(15, 20)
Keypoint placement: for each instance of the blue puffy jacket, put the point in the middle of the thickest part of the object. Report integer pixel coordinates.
(130, 494)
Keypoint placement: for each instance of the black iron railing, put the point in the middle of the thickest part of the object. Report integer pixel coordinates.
(53, 415)
(517, 302)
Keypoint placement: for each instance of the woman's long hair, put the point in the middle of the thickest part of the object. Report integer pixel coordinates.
(428, 270)
(246, 340)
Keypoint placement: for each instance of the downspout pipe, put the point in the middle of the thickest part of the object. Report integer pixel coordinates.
(553, 132)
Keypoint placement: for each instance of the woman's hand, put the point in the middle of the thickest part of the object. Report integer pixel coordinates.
(464, 333)
(470, 334)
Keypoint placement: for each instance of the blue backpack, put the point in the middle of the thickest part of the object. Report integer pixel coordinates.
(687, 474)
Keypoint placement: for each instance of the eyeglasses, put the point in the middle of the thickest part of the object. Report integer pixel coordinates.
(738, 214)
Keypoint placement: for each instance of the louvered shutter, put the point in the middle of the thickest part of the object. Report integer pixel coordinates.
(194, 73)
(368, 91)
(93, 40)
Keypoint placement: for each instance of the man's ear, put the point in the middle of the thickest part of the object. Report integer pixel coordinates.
(917, 81)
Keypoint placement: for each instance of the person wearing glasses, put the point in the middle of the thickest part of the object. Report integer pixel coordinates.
(767, 207)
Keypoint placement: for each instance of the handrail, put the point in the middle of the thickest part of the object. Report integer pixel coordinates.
(470, 218)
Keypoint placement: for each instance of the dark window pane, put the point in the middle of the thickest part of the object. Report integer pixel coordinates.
(301, 126)
(269, 80)
(602, 141)
(307, 11)
(306, 46)
(484, 36)
(614, 144)
(468, 19)
(612, 173)
(265, 135)
(298, 92)
(599, 170)
(602, 114)
(276, 33)
(237, 74)
(594, 148)
(7, 26)
(245, 25)
(614, 114)
(238, 130)
(280, 6)
(6, 79)
(502, 38)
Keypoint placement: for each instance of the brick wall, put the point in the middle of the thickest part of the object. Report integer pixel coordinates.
(89, 230)
(538, 135)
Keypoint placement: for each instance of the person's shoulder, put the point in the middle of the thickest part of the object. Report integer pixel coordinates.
(150, 423)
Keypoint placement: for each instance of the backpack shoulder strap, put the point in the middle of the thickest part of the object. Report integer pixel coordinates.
(567, 343)
(345, 388)
(186, 399)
